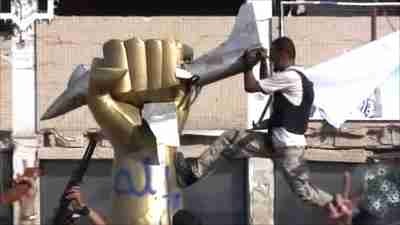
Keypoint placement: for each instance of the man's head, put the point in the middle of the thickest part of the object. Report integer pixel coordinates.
(184, 217)
(283, 53)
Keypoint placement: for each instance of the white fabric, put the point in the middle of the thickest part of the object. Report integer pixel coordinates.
(289, 83)
(283, 138)
(163, 121)
(341, 84)
(183, 74)
(24, 156)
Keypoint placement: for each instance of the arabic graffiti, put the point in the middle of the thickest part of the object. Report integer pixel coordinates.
(124, 185)
(368, 108)
(123, 176)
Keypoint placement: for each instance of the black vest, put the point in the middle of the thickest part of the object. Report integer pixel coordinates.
(285, 114)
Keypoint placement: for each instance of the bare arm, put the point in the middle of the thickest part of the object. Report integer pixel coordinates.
(250, 83)
(95, 218)
(251, 57)
(341, 212)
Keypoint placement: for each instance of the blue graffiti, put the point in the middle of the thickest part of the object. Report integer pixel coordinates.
(125, 185)
(174, 199)
(123, 176)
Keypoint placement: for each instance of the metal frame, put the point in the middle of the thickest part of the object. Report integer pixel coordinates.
(16, 15)
(363, 4)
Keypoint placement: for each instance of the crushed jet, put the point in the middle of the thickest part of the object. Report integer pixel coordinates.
(74, 96)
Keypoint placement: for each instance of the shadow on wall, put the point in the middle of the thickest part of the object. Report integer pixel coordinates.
(6, 173)
(220, 199)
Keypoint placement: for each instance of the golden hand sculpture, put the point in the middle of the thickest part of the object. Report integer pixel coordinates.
(132, 73)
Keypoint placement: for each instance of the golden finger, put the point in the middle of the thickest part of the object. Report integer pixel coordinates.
(170, 58)
(138, 98)
(179, 48)
(115, 56)
(136, 57)
(154, 56)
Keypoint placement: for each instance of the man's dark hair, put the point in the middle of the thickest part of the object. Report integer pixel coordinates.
(286, 44)
(184, 217)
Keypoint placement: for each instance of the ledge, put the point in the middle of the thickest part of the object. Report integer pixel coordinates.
(57, 153)
(312, 154)
(340, 156)
(203, 132)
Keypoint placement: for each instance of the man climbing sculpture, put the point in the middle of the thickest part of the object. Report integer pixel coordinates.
(293, 96)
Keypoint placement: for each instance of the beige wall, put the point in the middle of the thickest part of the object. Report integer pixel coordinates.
(5, 91)
(320, 38)
(69, 41)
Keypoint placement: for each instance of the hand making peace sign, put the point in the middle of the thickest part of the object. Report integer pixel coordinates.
(340, 210)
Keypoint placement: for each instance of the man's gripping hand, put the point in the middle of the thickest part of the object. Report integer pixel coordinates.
(252, 56)
(134, 72)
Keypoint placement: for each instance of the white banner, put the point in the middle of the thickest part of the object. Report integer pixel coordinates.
(344, 85)
(384, 104)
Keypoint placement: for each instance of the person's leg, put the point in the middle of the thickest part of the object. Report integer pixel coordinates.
(233, 144)
(291, 161)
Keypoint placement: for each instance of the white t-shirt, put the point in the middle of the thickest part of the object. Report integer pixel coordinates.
(289, 83)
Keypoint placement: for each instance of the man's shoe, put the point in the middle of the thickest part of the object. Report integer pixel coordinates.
(184, 173)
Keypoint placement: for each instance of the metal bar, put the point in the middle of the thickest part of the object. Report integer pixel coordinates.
(377, 4)
(7, 16)
(366, 4)
(281, 19)
(374, 36)
(63, 213)
(373, 24)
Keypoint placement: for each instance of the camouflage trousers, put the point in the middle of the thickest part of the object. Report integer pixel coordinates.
(240, 144)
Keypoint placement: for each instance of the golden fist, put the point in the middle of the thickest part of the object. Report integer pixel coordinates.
(132, 73)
